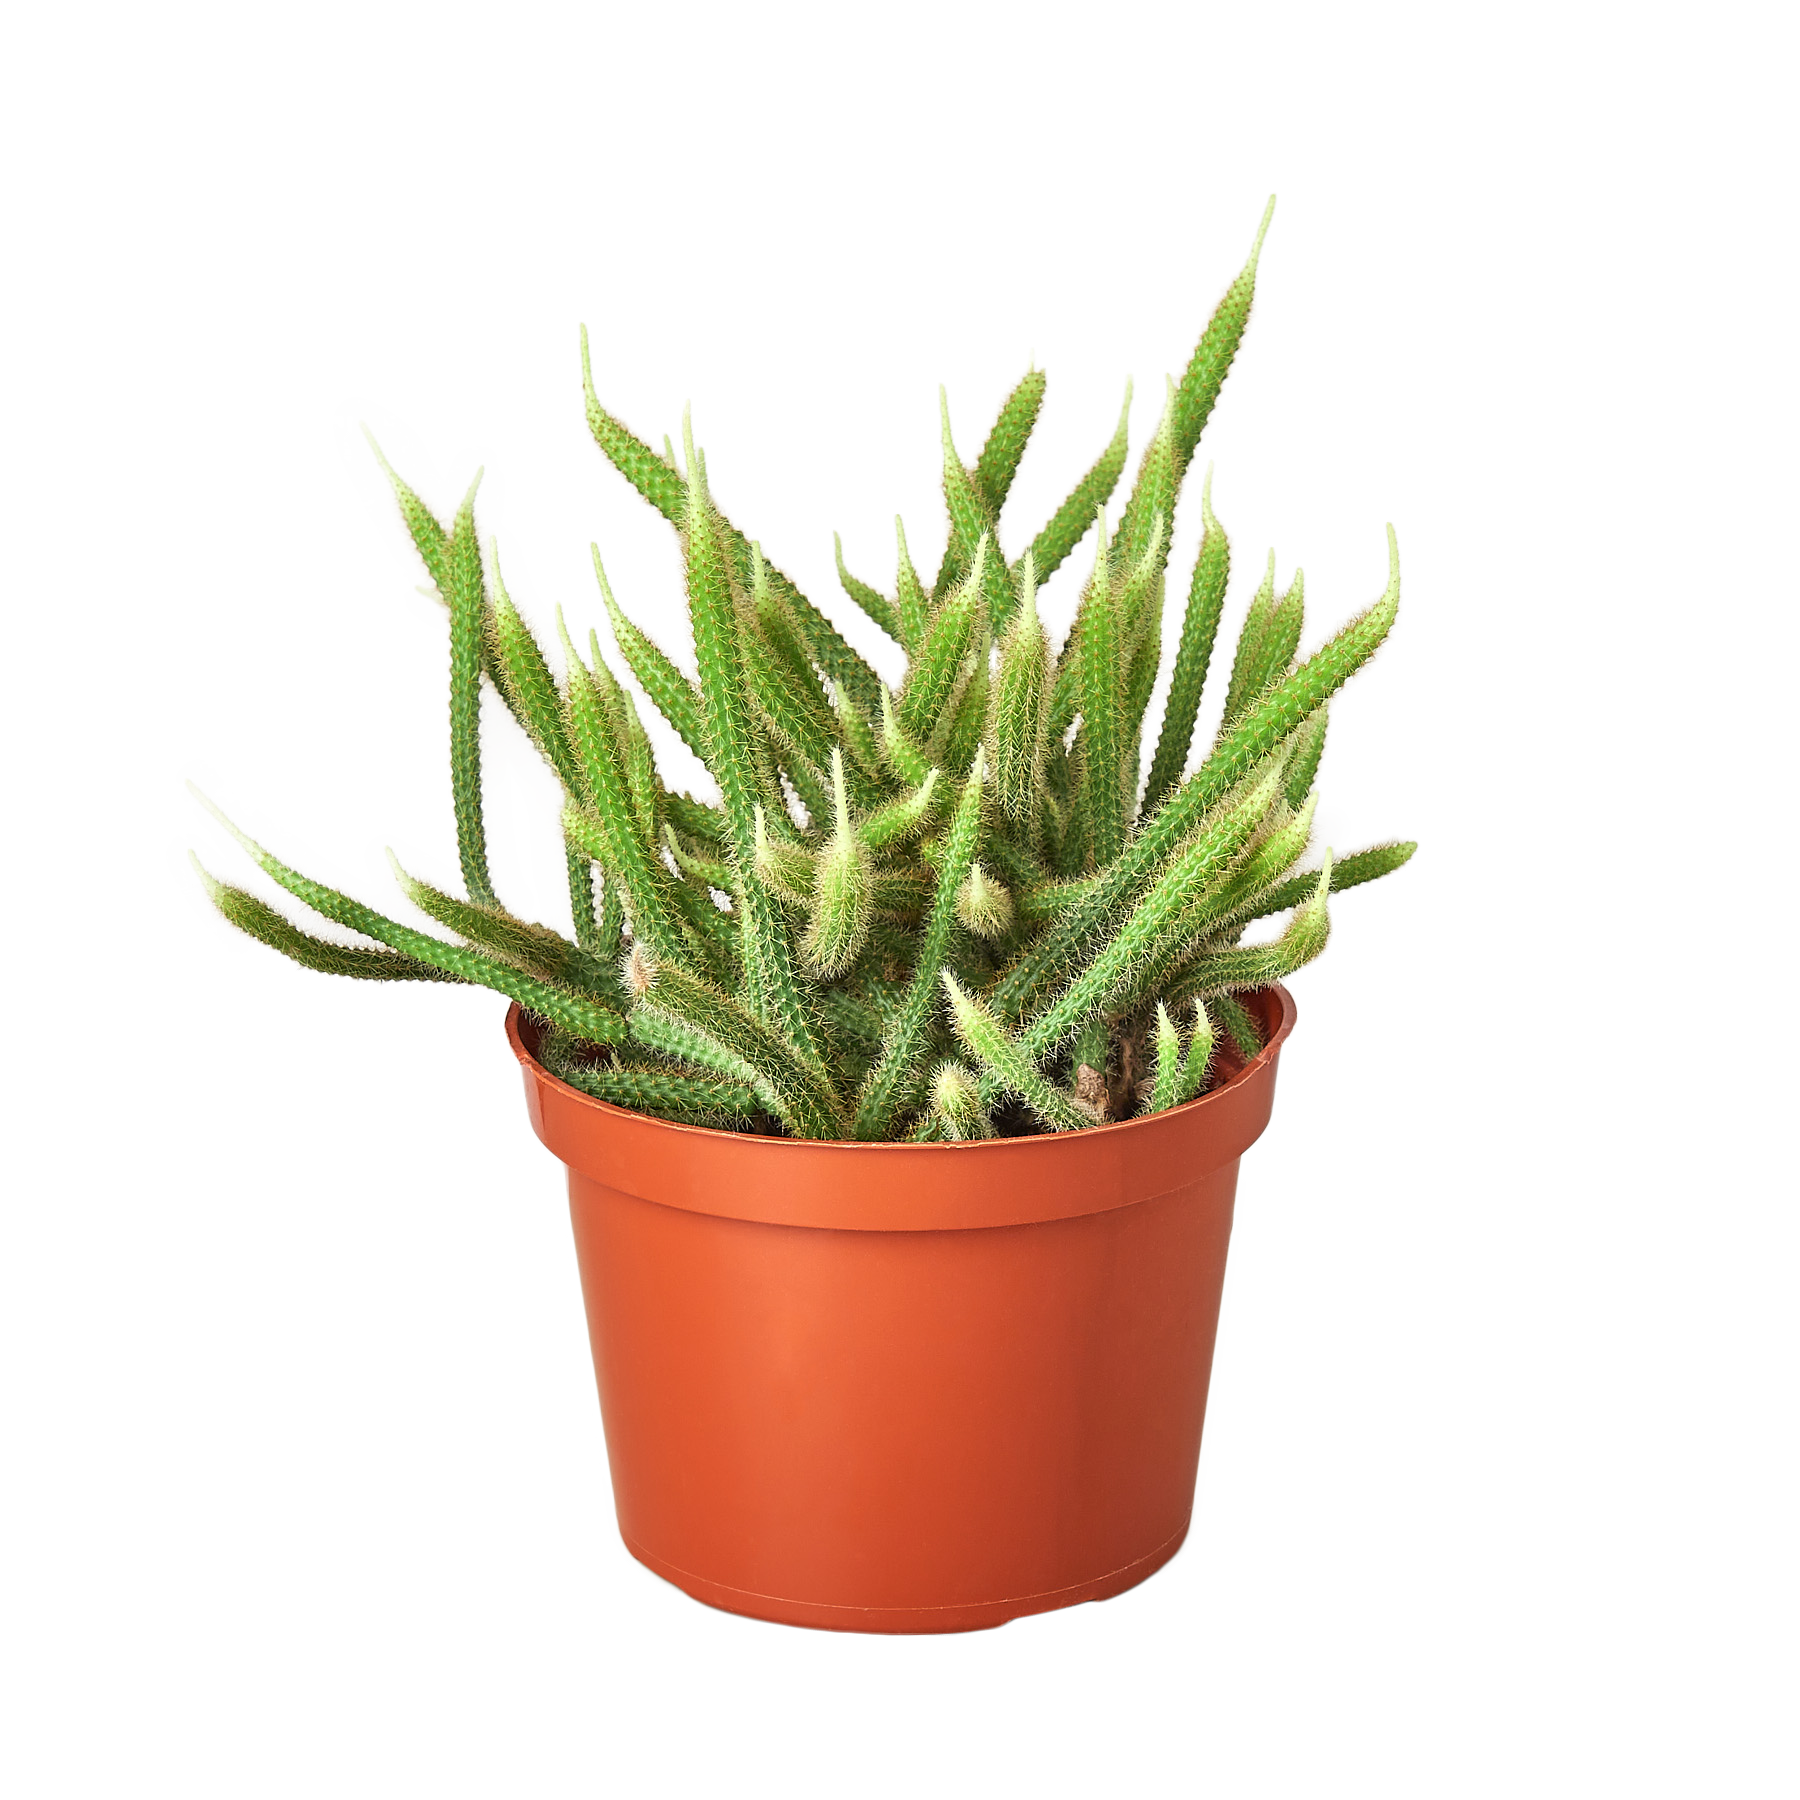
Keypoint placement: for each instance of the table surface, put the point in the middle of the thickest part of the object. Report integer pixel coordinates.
(400, 1437)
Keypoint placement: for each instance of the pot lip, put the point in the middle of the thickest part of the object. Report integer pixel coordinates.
(535, 1070)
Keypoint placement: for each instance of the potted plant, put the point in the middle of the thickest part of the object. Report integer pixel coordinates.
(902, 1085)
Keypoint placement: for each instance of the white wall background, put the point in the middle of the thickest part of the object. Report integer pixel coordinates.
(810, 330)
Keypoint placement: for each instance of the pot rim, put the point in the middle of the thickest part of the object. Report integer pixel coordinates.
(1284, 1001)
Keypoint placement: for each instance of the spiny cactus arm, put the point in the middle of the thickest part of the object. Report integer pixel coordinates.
(612, 922)
(903, 893)
(1198, 1060)
(1095, 910)
(1286, 620)
(1154, 493)
(1094, 907)
(783, 1078)
(1018, 713)
(912, 605)
(670, 691)
(257, 919)
(696, 819)
(853, 1023)
(819, 638)
(801, 722)
(1008, 1065)
(1348, 872)
(660, 484)
(956, 1103)
(581, 1014)
(1051, 899)
(1278, 843)
(667, 1036)
(932, 679)
(967, 718)
(1165, 1090)
(1199, 629)
(467, 595)
(893, 824)
(1261, 965)
(1016, 866)
(1247, 662)
(534, 948)
(1072, 843)
(1142, 612)
(771, 983)
(889, 1081)
(495, 672)
(603, 682)
(875, 603)
(783, 865)
(714, 934)
(843, 884)
(528, 685)
(1266, 651)
(1050, 830)
(1212, 358)
(1278, 846)
(859, 738)
(1108, 977)
(580, 869)
(608, 829)
(984, 906)
(1281, 710)
(639, 760)
(1102, 797)
(720, 649)
(774, 621)
(970, 517)
(1237, 1025)
(1303, 764)
(429, 538)
(999, 460)
(811, 789)
(1070, 522)
(686, 1099)
(908, 762)
(711, 871)
(1131, 588)
(786, 683)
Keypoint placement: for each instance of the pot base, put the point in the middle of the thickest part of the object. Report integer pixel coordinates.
(905, 1620)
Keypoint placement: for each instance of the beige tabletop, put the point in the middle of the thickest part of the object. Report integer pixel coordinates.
(400, 1435)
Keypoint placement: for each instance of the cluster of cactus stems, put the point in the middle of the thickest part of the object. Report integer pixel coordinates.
(948, 911)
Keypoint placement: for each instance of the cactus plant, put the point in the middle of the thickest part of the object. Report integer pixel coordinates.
(953, 909)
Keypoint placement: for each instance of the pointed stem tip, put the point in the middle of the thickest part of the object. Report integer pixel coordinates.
(1262, 231)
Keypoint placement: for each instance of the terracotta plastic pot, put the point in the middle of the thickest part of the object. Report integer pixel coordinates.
(904, 1387)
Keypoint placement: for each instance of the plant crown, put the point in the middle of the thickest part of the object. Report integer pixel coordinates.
(957, 908)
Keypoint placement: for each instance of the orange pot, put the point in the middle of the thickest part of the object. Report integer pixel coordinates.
(904, 1387)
